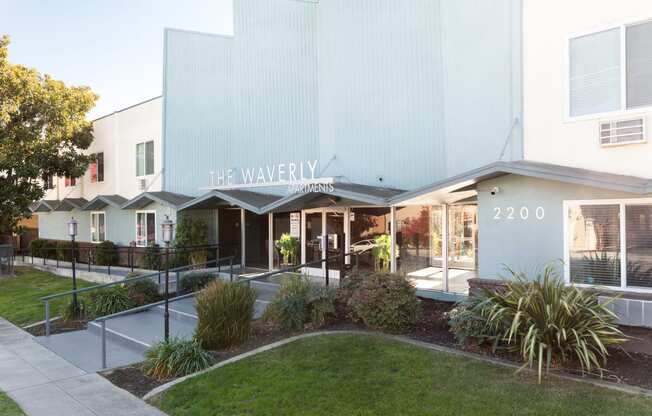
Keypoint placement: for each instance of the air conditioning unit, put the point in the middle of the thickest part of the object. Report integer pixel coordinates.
(615, 132)
(142, 184)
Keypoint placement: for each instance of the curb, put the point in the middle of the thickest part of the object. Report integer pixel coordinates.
(623, 388)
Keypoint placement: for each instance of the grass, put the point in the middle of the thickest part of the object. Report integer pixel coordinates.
(20, 295)
(8, 407)
(368, 375)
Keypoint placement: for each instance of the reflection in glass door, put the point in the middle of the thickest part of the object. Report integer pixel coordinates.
(313, 247)
(335, 232)
(463, 242)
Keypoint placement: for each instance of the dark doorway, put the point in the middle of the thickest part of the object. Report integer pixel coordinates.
(256, 240)
(229, 233)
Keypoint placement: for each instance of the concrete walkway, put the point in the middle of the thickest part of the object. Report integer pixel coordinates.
(42, 383)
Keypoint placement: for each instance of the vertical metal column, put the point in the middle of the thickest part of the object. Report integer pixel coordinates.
(392, 250)
(242, 240)
(270, 238)
(444, 245)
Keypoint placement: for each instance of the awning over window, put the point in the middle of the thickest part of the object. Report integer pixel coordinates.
(102, 201)
(251, 201)
(68, 204)
(164, 198)
(459, 185)
(44, 205)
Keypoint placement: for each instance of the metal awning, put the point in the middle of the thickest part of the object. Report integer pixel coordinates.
(164, 198)
(44, 205)
(251, 201)
(341, 194)
(68, 204)
(102, 201)
(461, 185)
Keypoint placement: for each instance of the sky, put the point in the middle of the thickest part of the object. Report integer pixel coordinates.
(113, 46)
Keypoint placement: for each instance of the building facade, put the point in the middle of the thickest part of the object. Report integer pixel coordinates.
(472, 135)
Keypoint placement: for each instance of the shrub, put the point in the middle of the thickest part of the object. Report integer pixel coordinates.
(468, 324)
(382, 301)
(72, 312)
(151, 259)
(191, 232)
(299, 302)
(64, 250)
(109, 301)
(176, 358)
(106, 254)
(382, 252)
(195, 281)
(224, 312)
(142, 292)
(35, 247)
(543, 319)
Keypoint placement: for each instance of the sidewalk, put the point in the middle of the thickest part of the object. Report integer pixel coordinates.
(42, 383)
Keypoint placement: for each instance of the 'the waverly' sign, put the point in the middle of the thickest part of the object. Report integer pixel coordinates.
(294, 174)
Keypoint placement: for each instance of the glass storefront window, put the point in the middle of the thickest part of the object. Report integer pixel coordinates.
(367, 224)
(639, 245)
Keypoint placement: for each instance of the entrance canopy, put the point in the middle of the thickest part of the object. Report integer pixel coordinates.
(340, 194)
(251, 201)
(464, 185)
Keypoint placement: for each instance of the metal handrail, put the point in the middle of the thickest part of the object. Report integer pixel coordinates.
(49, 298)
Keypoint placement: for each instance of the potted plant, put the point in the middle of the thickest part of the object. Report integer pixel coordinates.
(288, 246)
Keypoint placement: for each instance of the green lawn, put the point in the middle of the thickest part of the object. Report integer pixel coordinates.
(8, 407)
(19, 296)
(367, 375)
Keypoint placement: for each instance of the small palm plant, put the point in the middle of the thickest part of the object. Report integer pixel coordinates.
(288, 246)
(544, 319)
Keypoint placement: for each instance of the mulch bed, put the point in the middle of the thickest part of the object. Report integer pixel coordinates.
(631, 368)
(58, 326)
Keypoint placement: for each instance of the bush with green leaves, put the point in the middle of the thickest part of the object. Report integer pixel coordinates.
(468, 324)
(35, 247)
(142, 291)
(299, 302)
(176, 358)
(382, 252)
(194, 281)
(106, 254)
(72, 311)
(151, 259)
(383, 301)
(108, 301)
(544, 320)
(224, 312)
(64, 250)
(191, 235)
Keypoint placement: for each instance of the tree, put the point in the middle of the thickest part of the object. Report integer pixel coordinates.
(43, 129)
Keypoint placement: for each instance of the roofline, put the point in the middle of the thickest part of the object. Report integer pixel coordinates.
(227, 198)
(127, 108)
(152, 197)
(102, 198)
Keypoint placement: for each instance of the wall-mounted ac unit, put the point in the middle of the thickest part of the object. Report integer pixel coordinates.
(627, 131)
(142, 184)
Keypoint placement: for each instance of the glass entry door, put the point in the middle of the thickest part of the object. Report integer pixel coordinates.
(324, 230)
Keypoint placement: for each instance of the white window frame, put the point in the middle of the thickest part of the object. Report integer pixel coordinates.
(136, 226)
(103, 213)
(144, 143)
(623, 203)
(623, 111)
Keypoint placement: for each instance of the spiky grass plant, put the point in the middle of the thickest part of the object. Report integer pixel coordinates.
(224, 312)
(109, 301)
(544, 320)
(176, 358)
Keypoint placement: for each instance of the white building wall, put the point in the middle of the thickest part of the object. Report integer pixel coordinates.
(549, 135)
(117, 135)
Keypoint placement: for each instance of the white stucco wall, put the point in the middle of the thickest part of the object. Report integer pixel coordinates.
(549, 135)
(117, 135)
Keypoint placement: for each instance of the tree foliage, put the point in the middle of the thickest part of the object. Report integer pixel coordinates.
(43, 128)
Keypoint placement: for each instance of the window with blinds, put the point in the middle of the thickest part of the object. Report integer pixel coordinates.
(596, 73)
(594, 244)
(639, 65)
(638, 219)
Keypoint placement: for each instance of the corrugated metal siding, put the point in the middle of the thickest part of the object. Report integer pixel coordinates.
(409, 91)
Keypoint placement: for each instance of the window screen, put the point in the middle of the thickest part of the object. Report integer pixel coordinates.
(594, 242)
(639, 65)
(639, 245)
(595, 73)
(149, 158)
(140, 159)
